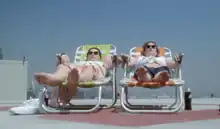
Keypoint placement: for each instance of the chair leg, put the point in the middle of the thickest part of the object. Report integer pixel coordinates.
(175, 107)
(45, 109)
(114, 92)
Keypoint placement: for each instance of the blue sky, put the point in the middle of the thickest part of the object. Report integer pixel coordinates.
(45, 27)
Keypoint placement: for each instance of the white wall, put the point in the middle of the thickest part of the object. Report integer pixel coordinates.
(13, 81)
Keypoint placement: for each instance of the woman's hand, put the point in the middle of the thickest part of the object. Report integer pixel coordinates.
(124, 59)
(178, 58)
(117, 60)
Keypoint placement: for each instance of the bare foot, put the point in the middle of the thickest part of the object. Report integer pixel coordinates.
(162, 77)
(47, 79)
(142, 74)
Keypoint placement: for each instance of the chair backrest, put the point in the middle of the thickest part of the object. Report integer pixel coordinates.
(106, 49)
(136, 51)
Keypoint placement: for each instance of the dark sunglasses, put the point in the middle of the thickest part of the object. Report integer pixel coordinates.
(151, 46)
(95, 53)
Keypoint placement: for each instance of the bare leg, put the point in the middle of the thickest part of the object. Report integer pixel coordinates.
(162, 77)
(47, 79)
(142, 74)
(54, 97)
(71, 92)
(63, 94)
(79, 74)
(55, 79)
(86, 74)
(73, 80)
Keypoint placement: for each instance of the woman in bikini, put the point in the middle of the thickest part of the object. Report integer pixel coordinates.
(150, 66)
(67, 75)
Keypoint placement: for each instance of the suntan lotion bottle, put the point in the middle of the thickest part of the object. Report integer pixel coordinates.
(188, 99)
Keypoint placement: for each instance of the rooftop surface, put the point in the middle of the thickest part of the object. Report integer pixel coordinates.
(204, 115)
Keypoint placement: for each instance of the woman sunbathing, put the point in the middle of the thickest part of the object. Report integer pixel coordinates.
(150, 66)
(67, 75)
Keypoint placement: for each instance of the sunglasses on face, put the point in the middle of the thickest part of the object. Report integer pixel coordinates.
(95, 53)
(151, 46)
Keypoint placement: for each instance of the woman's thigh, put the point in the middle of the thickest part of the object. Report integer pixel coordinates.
(90, 73)
(86, 73)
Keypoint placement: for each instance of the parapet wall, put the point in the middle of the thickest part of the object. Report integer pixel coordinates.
(13, 81)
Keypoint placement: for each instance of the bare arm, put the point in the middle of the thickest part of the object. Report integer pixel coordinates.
(172, 64)
(108, 61)
(132, 62)
(176, 62)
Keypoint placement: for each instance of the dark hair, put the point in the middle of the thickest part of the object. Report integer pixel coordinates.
(87, 54)
(59, 56)
(145, 45)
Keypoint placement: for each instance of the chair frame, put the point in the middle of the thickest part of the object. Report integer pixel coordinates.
(85, 108)
(171, 108)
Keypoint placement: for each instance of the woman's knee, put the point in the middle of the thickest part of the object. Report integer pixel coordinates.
(65, 59)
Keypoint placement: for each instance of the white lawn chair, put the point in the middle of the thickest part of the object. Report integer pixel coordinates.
(175, 82)
(109, 80)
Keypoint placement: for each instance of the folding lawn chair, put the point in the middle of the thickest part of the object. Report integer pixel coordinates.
(109, 80)
(175, 82)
